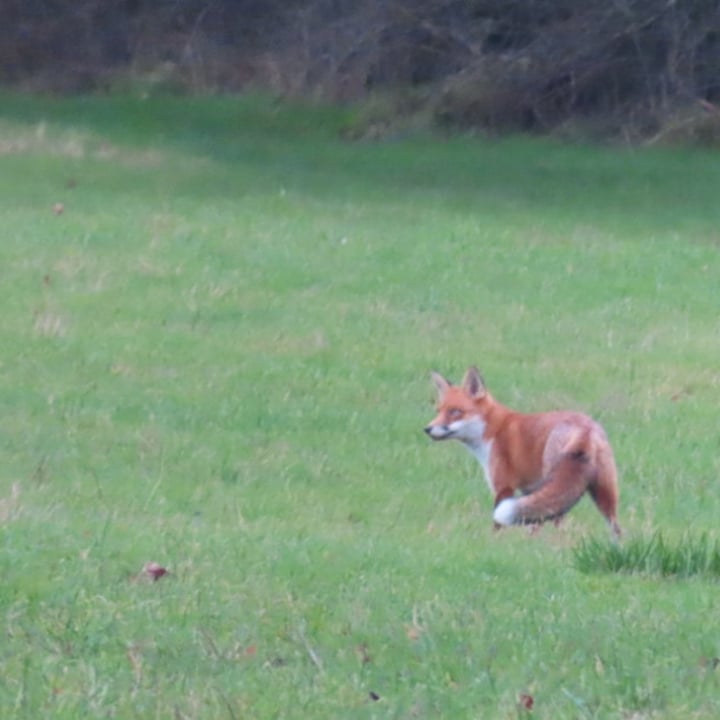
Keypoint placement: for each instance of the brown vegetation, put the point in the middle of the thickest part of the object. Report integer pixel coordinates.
(626, 66)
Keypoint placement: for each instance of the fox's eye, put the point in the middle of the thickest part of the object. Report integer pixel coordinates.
(454, 413)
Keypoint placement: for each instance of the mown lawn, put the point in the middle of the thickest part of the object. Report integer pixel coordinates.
(219, 321)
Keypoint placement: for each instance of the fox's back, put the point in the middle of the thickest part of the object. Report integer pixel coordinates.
(533, 442)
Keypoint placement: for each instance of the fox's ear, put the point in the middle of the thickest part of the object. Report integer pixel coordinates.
(473, 383)
(441, 384)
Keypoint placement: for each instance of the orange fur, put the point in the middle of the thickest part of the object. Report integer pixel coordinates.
(552, 459)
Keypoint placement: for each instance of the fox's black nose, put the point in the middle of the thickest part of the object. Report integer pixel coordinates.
(429, 429)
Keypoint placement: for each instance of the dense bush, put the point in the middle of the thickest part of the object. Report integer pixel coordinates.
(499, 64)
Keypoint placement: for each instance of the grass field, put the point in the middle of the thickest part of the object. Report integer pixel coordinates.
(219, 319)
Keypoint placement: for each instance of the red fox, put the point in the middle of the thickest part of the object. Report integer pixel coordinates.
(551, 458)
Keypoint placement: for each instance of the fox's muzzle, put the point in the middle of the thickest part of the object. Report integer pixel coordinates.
(438, 432)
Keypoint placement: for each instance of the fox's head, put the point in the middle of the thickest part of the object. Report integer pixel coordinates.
(460, 409)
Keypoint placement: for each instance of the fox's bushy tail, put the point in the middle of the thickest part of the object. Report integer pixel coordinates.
(586, 464)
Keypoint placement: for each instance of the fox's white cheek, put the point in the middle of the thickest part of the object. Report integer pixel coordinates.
(469, 430)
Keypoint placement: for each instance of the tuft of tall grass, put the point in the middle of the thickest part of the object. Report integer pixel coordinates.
(652, 556)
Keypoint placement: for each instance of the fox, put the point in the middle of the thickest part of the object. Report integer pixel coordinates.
(539, 465)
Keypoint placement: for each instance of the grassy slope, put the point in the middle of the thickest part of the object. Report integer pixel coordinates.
(217, 358)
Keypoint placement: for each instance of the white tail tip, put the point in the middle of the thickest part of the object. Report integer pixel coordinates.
(505, 513)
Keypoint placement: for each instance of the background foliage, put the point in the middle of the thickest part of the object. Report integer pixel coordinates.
(641, 68)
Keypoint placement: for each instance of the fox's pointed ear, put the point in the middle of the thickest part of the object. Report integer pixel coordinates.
(473, 383)
(441, 384)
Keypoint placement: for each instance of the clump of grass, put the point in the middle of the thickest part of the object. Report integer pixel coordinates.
(652, 556)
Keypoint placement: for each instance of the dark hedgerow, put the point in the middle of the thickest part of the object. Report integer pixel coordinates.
(652, 556)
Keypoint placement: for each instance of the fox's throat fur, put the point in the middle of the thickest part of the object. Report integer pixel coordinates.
(538, 466)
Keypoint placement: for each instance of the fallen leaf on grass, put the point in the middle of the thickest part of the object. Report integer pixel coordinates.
(154, 570)
(58, 208)
(526, 701)
(151, 572)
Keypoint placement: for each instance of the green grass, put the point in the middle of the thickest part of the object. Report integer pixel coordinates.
(217, 356)
(655, 556)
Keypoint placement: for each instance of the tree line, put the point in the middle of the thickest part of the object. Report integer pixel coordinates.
(498, 64)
